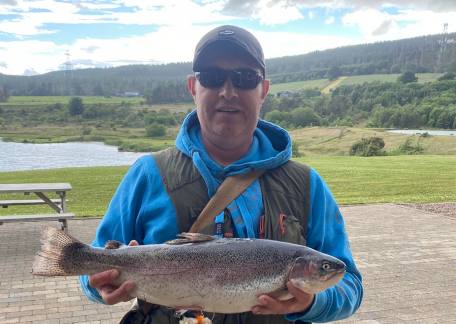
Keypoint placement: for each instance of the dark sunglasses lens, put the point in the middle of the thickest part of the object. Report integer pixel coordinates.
(213, 78)
(245, 79)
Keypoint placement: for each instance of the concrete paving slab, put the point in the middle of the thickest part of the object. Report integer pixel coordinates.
(407, 257)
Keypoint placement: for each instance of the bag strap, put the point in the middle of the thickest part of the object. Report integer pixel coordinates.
(229, 190)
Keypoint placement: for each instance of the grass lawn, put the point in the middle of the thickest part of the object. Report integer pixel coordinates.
(396, 179)
(353, 180)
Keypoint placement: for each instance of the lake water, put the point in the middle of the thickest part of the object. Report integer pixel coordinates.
(422, 131)
(21, 156)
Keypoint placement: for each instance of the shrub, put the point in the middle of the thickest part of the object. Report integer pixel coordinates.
(407, 77)
(372, 146)
(409, 148)
(76, 107)
(295, 149)
(447, 76)
(155, 130)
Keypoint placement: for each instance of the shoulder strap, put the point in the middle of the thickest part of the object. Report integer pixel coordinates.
(177, 171)
(229, 190)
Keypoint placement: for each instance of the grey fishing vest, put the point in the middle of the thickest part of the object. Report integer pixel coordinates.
(286, 202)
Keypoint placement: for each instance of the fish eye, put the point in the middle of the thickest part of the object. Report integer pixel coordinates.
(326, 266)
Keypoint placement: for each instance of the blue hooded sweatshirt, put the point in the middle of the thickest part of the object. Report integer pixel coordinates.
(141, 210)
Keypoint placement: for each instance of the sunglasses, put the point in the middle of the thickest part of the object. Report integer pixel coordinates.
(245, 79)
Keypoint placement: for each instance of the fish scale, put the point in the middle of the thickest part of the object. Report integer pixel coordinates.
(197, 271)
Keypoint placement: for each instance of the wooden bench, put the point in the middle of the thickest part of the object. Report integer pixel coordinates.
(61, 217)
(21, 202)
(42, 191)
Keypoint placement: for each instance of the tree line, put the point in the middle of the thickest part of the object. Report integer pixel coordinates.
(381, 104)
(435, 53)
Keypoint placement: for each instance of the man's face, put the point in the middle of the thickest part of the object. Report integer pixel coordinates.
(228, 116)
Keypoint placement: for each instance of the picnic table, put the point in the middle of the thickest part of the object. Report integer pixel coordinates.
(42, 191)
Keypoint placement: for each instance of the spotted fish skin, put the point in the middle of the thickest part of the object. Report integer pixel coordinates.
(216, 275)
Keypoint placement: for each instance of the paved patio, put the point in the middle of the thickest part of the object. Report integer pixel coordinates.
(407, 257)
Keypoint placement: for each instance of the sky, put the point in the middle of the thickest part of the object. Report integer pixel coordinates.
(39, 36)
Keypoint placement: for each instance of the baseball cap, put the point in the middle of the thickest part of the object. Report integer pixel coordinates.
(228, 35)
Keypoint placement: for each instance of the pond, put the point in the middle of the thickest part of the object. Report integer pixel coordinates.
(25, 156)
(422, 131)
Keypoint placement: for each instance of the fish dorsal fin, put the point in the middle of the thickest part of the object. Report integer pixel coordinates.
(113, 244)
(184, 238)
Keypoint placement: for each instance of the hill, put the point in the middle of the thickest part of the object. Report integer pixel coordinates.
(420, 55)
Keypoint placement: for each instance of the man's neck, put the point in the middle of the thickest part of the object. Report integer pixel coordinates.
(226, 155)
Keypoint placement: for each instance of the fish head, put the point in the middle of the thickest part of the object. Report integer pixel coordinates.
(313, 273)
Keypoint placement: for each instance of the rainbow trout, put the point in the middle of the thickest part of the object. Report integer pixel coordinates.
(196, 271)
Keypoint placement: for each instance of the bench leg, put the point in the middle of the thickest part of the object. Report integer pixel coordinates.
(64, 225)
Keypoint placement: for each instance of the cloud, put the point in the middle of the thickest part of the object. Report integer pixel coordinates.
(3, 64)
(376, 25)
(249, 8)
(278, 44)
(30, 54)
(277, 14)
(90, 49)
(8, 3)
(87, 63)
(29, 72)
(330, 20)
(26, 21)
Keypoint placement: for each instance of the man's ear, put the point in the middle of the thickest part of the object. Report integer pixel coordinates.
(191, 84)
(265, 88)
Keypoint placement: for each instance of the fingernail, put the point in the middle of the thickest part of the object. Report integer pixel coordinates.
(263, 300)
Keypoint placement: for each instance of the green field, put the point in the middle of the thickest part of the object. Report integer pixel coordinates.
(338, 140)
(135, 102)
(353, 180)
(50, 100)
(360, 79)
(349, 80)
(299, 85)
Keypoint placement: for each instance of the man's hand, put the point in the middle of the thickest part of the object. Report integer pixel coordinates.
(300, 302)
(112, 294)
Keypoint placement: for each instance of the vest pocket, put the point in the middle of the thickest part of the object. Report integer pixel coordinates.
(290, 229)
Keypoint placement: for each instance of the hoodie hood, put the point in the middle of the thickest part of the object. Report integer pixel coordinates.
(271, 147)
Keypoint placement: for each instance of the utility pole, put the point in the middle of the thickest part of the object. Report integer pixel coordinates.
(68, 71)
(443, 44)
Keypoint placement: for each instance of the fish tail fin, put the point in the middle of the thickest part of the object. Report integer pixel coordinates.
(58, 254)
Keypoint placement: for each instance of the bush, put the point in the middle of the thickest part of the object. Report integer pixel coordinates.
(76, 107)
(295, 149)
(155, 130)
(301, 117)
(407, 77)
(409, 148)
(372, 146)
(447, 76)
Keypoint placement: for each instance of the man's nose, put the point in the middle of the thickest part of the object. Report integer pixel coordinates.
(228, 91)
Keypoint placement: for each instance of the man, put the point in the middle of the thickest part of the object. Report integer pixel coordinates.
(161, 195)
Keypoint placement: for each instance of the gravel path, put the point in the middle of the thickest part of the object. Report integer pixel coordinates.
(445, 209)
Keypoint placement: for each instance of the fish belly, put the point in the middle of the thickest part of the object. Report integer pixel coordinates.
(217, 297)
